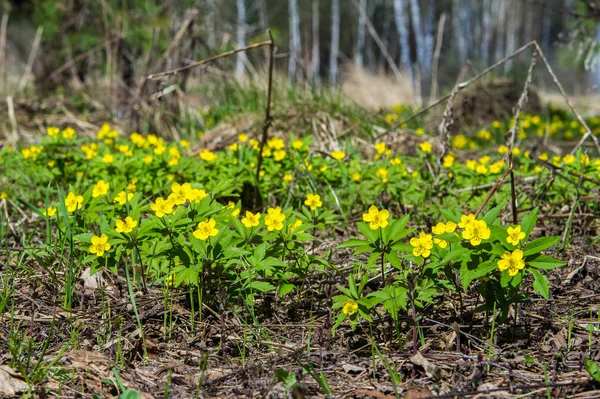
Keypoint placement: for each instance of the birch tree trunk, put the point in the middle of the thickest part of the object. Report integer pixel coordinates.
(360, 36)
(210, 23)
(335, 41)
(263, 14)
(315, 58)
(500, 30)
(402, 29)
(429, 35)
(241, 38)
(295, 50)
(547, 28)
(459, 37)
(487, 30)
(415, 13)
(512, 32)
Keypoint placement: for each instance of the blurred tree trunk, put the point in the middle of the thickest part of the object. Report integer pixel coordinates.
(241, 38)
(402, 29)
(295, 50)
(263, 14)
(371, 60)
(547, 27)
(429, 34)
(512, 32)
(500, 31)
(461, 25)
(210, 24)
(415, 14)
(360, 36)
(486, 30)
(315, 64)
(335, 41)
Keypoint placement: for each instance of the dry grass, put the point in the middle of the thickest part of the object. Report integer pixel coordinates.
(376, 91)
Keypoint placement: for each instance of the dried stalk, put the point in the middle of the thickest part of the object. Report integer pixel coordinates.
(210, 59)
(268, 119)
(34, 49)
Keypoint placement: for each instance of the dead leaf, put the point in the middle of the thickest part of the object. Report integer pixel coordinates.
(431, 369)
(352, 369)
(11, 383)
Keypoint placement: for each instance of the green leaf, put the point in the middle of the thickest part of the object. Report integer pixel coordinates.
(541, 285)
(545, 262)
(493, 213)
(286, 378)
(468, 275)
(529, 222)
(371, 235)
(393, 259)
(262, 286)
(396, 230)
(353, 242)
(592, 368)
(458, 253)
(285, 289)
(451, 216)
(538, 245)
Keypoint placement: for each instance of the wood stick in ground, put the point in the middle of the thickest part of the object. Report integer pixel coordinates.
(268, 120)
(493, 190)
(378, 41)
(34, 49)
(3, 27)
(461, 86)
(436, 57)
(78, 58)
(209, 60)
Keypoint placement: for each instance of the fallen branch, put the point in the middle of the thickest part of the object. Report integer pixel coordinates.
(210, 59)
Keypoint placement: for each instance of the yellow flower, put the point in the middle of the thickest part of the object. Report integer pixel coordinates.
(441, 243)
(296, 224)
(242, 137)
(476, 231)
(100, 189)
(3, 195)
(484, 134)
(123, 197)
(515, 235)
(382, 173)
(460, 141)
(99, 245)
(184, 143)
(338, 155)
(313, 201)
(425, 147)
(52, 131)
(208, 156)
(68, 133)
(376, 218)
(569, 159)
(148, 159)
(448, 161)
(49, 212)
(73, 202)
(233, 147)
(274, 219)
(162, 207)
(380, 148)
(159, 149)
(180, 193)
(108, 158)
(51, 163)
(420, 131)
(276, 143)
(287, 177)
(251, 219)
(197, 195)
(206, 229)
(356, 176)
(543, 156)
(442, 228)
(279, 155)
(350, 307)
(466, 220)
(236, 211)
(298, 144)
(502, 149)
(422, 245)
(513, 262)
(126, 225)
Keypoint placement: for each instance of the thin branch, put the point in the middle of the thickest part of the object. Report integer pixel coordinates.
(268, 119)
(32, 55)
(209, 60)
